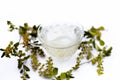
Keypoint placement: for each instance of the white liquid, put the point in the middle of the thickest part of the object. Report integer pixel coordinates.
(59, 43)
(62, 41)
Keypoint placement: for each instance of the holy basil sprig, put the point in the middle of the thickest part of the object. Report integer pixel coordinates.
(28, 40)
(48, 70)
(93, 36)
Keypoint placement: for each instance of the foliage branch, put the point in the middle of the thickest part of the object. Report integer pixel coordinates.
(28, 39)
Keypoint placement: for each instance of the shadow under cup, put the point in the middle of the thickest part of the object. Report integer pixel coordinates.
(61, 41)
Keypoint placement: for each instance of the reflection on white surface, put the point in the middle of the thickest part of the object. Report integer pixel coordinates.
(88, 13)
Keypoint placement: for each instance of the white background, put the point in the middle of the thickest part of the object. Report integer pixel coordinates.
(86, 12)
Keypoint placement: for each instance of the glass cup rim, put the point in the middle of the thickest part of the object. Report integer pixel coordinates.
(77, 41)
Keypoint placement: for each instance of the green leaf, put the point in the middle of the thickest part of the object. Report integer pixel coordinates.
(108, 51)
(16, 45)
(21, 71)
(100, 72)
(8, 22)
(27, 57)
(101, 28)
(101, 42)
(11, 42)
(55, 71)
(98, 38)
(20, 54)
(27, 76)
(20, 63)
(34, 31)
(26, 25)
(22, 30)
(87, 34)
(98, 48)
(63, 76)
(3, 55)
(94, 60)
(26, 68)
(11, 26)
(94, 44)
(2, 49)
(93, 31)
(70, 76)
(47, 75)
(89, 55)
(7, 55)
(41, 53)
(14, 51)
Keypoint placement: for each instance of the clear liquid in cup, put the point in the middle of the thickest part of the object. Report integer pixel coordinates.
(61, 41)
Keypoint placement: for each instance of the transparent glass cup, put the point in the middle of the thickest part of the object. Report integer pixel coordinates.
(61, 41)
